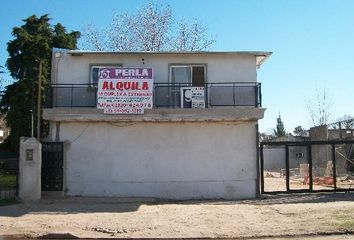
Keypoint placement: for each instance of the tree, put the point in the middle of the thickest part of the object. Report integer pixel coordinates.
(191, 37)
(280, 130)
(345, 122)
(300, 131)
(1, 79)
(151, 28)
(31, 45)
(266, 136)
(320, 108)
(1, 69)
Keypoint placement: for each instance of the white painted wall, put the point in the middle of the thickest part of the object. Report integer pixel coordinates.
(220, 67)
(164, 160)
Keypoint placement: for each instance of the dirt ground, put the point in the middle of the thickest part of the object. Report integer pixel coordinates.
(117, 217)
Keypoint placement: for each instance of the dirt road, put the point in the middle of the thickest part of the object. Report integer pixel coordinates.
(102, 217)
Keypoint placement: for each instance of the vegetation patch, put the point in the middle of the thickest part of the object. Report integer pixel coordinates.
(345, 221)
(7, 181)
(9, 201)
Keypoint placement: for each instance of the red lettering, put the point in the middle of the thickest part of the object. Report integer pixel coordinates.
(105, 85)
(145, 86)
(119, 86)
(135, 85)
(126, 85)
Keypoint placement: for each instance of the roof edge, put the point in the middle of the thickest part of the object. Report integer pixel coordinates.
(257, 53)
(261, 56)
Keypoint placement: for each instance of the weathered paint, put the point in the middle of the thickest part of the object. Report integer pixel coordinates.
(165, 153)
(164, 160)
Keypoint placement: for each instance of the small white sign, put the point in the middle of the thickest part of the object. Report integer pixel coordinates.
(192, 97)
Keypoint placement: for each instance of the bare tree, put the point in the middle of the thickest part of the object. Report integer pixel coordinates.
(192, 37)
(119, 35)
(320, 108)
(346, 122)
(151, 28)
(93, 38)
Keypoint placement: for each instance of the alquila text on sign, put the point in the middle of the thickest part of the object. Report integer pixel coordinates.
(125, 90)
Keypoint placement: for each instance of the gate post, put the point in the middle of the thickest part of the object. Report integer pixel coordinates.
(30, 169)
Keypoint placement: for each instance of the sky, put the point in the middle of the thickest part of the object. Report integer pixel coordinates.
(312, 43)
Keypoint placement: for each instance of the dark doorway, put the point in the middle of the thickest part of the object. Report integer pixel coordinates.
(52, 166)
(198, 78)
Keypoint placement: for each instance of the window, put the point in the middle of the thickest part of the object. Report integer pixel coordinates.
(180, 76)
(94, 71)
(193, 74)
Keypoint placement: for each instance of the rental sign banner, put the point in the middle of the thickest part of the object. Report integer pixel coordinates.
(125, 90)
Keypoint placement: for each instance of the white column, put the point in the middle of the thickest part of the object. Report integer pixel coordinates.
(30, 169)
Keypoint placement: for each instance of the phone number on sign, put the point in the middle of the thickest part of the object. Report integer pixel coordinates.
(124, 110)
(124, 105)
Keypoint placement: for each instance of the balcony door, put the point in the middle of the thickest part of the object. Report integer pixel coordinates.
(185, 76)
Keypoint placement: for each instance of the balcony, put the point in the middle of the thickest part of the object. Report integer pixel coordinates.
(166, 95)
(223, 102)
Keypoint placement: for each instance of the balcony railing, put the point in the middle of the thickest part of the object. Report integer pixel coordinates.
(166, 95)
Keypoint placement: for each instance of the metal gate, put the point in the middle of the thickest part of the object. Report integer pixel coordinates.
(8, 175)
(307, 166)
(52, 166)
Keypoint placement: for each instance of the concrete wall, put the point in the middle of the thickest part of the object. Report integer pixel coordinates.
(319, 133)
(275, 157)
(337, 134)
(220, 67)
(164, 160)
(321, 154)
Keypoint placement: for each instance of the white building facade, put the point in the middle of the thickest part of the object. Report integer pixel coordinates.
(168, 152)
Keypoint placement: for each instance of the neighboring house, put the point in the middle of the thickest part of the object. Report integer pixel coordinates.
(341, 134)
(289, 138)
(210, 151)
(343, 152)
(274, 156)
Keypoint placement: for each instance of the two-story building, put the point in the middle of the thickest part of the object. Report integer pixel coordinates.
(172, 151)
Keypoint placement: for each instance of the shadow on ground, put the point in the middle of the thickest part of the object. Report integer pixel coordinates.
(73, 205)
(304, 198)
(270, 199)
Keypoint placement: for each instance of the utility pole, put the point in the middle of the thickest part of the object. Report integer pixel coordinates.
(32, 122)
(39, 100)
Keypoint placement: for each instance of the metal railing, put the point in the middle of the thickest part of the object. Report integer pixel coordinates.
(167, 95)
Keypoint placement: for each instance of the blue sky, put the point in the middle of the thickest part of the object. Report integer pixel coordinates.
(312, 43)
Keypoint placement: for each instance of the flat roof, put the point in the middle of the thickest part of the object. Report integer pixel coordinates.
(261, 56)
